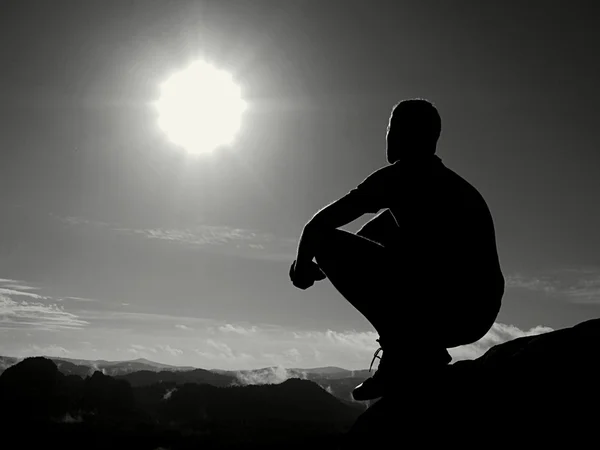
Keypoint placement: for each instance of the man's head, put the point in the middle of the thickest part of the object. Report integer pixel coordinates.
(413, 130)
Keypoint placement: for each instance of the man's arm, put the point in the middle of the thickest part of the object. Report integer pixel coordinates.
(370, 196)
(332, 216)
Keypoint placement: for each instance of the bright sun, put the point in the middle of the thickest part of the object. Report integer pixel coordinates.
(200, 108)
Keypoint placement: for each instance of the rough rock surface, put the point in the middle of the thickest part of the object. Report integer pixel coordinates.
(539, 390)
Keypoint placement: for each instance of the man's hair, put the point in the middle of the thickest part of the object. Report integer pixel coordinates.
(420, 116)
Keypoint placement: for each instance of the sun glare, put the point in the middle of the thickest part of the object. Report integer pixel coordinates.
(200, 108)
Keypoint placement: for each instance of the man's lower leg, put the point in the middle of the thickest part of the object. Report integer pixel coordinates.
(373, 387)
(420, 364)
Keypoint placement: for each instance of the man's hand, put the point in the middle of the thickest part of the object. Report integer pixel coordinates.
(304, 276)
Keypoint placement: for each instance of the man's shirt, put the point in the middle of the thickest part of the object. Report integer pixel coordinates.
(444, 224)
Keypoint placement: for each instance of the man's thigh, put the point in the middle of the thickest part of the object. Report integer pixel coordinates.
(348, 258)
(362, 271)
(467, 310)
(401, 294)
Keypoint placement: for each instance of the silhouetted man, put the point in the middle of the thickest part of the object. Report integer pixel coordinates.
(425, 271)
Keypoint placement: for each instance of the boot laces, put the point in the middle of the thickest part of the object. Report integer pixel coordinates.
(376, 355)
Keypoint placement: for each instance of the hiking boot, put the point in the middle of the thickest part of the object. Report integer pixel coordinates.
(427, 364)
(373, 387)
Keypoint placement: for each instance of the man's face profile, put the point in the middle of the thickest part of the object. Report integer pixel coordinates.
(398, 138)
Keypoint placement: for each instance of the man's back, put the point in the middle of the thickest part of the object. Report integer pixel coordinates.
(464, 235)
(444, 224)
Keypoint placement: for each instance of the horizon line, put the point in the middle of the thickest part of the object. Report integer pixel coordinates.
(21, 358)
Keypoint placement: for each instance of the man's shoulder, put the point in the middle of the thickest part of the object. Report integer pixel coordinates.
(451, 176)
(457, 185)
(382, 174)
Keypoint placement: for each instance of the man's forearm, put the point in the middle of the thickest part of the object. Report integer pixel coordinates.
(306, 245)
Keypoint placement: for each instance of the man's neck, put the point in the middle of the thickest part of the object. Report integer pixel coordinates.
(420, 159)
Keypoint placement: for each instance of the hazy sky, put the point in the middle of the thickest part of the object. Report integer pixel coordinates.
(115, 244)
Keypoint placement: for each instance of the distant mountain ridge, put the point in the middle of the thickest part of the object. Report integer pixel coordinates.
(143, 372)
(108, 410)
(128, 366)
(269, 374)
(123, 367)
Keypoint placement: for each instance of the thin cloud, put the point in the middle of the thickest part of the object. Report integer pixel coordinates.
(317, 355)
(183, 327)
(577, 285)
(241, 241)
(77, 220)
(586, 289)
(531, 283)
(221, 347)
(200, 236)
(145, 351)
(152, 320)
(294, 354)
(20, 287)
(170, 350)
(11, 292)
(585, 295)
(238, 329)
(359, 341)
(220, 351)
(355, 340)
(142, 348)
(79, 299)
(23, 314)
(48, 350)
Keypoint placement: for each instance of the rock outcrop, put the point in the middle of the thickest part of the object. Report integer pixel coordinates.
(538, 390)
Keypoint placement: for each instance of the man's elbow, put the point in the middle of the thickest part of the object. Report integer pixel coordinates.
(322, 222)
(316, 223)
(335, 215)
